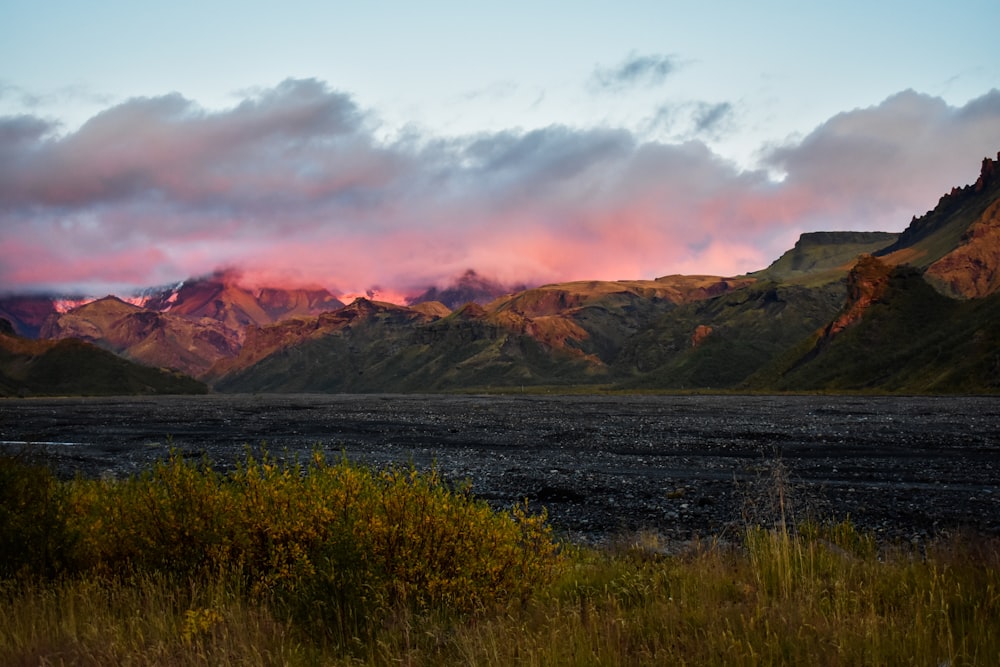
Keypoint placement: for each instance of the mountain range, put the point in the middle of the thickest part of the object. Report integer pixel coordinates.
(916, 311)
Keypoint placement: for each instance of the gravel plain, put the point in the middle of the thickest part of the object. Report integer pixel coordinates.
(906, 468)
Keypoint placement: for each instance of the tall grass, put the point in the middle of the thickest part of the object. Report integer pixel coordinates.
(318, 563)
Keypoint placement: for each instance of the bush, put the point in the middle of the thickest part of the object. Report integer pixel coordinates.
(34, 535)
(341, 544)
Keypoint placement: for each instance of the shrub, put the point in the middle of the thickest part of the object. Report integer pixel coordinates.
(335, 543)
(34, 536)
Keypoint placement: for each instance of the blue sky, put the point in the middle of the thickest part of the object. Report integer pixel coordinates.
(471, 116)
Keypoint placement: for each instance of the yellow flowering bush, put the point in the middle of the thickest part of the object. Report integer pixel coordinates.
(333, 542)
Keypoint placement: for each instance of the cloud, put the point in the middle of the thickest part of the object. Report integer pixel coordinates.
(709, 118)
(892, 160)
(635, 70)
(18, 96)
(292, 184)
(293, 140)
(692, 120)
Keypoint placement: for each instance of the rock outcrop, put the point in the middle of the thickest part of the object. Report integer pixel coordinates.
(701, 332)
(973, 269)
(866, 283)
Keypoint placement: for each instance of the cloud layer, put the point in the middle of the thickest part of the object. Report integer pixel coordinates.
(293, 184)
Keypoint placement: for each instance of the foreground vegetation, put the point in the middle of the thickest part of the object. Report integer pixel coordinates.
(321, 563)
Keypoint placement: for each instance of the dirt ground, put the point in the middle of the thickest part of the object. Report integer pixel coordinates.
(682, 466)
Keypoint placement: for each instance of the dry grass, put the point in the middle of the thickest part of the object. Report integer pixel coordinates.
(821, 594)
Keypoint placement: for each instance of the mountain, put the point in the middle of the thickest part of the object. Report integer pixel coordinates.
(555, 334)
(603, 315)
(470, 287)
(371, 318)
(820, 254)
(898, 334)
(163, 340)
(222, 298)
(839, 312)
(718, 342)
(917, 311)
(27, 313)
(189, 327)
(73, 367)
(394, 348)
(921, 315)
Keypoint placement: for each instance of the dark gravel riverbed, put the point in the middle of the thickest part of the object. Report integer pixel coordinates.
(906, 468)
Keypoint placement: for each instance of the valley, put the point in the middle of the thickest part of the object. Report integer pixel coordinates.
(905, 468)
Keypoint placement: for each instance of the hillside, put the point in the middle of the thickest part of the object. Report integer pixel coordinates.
(719, 342)
(73, 367)
(824, 254)
(910, 338)
(829, 316)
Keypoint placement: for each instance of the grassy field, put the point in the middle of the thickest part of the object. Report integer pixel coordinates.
(328, 563)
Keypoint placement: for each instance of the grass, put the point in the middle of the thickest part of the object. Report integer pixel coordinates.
(323, 563)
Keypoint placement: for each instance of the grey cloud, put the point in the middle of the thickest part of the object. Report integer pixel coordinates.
(552, 153)
(687, 120)
(295, 173)
(709, 118)
(986, 107)
(296, 140)
(635, 70)
(31, 99)
(896, 157)
(17, 131)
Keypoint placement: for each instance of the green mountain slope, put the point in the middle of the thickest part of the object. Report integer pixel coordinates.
(719, 342)
(818, 255)
(73, 367)
(940, 231)
(911, 340)
(467, 349)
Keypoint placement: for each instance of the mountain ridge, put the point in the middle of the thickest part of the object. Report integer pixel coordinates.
(773, 329)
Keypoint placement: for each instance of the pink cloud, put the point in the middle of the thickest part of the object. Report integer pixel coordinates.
(292, 185)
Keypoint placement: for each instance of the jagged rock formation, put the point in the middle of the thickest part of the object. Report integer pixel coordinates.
(940, 231)
(972, 270)
(866, 283)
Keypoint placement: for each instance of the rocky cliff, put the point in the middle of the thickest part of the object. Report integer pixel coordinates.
(972, 270)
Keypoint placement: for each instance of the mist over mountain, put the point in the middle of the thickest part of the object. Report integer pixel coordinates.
(470, 287)
(917, 311)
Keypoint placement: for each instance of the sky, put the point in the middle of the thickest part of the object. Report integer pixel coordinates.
(385, 147)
